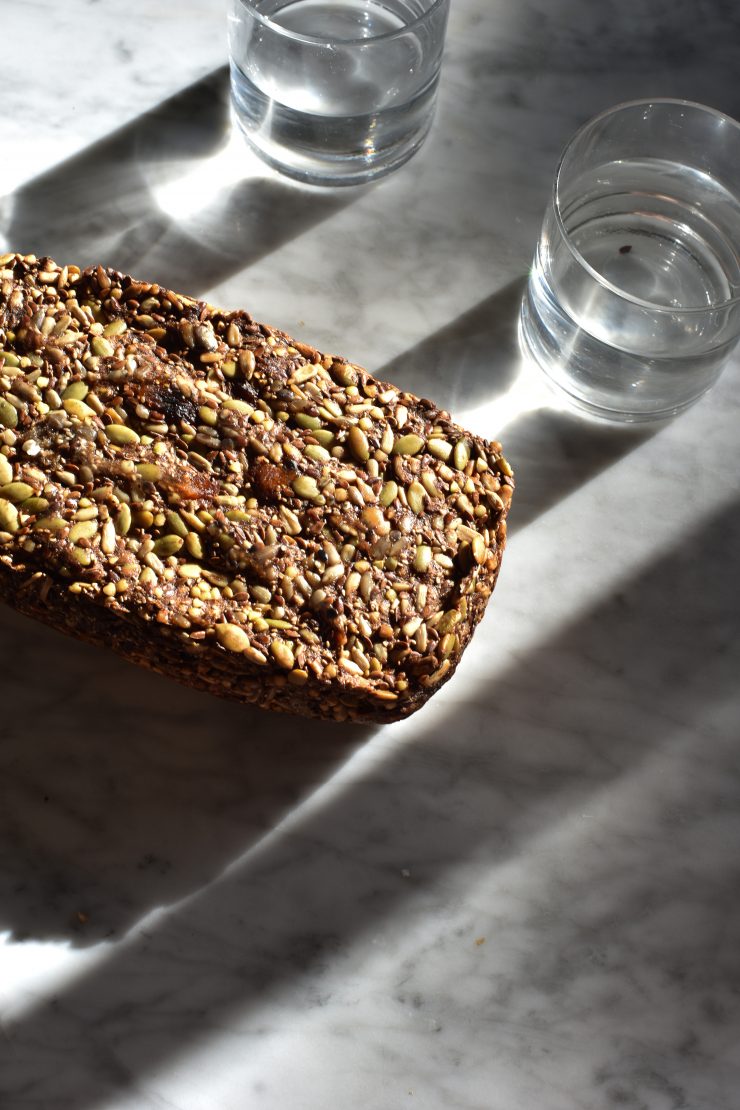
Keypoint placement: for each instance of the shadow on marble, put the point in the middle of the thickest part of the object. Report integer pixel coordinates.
(121, 792)
(607, 55)
(556, 451)
(161, 198)
(568, 724)
(472, 359)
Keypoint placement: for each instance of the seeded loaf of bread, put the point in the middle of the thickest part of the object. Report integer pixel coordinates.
(230, 507)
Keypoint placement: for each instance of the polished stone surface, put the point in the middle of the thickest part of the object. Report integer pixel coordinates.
(525, 896)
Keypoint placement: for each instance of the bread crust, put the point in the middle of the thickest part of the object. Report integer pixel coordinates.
(229, 506)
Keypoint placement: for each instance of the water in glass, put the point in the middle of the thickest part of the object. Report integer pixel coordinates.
(658, 234)
(338, 108)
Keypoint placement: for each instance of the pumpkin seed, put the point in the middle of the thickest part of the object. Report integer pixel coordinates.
(389, 493)
(8, 415)
(440, 448)
(316, 452)
(189, 570)
(123, 520)
(121, 435)
(16, 491)
(35, 505)
(81, 555)
(148, 472)
(305, 486)
(8, 516)
(232, 637)
(83, 529)
(74, 407)
(75, 391)
(176, 524)
(410, 444)
(50, 524)
(305, 420)
(422, 558)
(167, 545)
(101, 347)
(236, 405)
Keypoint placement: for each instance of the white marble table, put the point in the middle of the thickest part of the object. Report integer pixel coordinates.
(526, 896)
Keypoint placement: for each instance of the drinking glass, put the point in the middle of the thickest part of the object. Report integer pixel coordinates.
(335, 92)
(633, 301)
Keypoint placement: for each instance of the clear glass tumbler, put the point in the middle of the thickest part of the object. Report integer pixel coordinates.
(335, 92)
(633, 301)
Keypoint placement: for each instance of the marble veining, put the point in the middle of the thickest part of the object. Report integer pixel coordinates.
(527, 895)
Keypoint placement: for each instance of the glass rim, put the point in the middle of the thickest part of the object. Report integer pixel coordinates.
(325, 40)
(599, 278)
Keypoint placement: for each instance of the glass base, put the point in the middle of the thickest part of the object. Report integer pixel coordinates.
(331, 150)
(602, 381)
(330, 172)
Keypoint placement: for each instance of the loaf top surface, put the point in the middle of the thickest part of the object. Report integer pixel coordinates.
(269, 504)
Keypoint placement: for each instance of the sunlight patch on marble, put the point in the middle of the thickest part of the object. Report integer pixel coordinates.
(33, 970)
(183, 189)
(527, 395)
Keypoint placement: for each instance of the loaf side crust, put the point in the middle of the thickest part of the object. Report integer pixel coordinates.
(230, 507)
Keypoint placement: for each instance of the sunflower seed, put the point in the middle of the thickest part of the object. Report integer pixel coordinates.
(358, 444)
(108, 538)
(415, 497)
(283, 653)
(74, 407)
(461, 454)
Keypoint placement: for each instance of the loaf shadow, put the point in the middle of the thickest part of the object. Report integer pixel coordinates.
(121, 791)
(111, 202)
(555, 452)
(573, 717)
